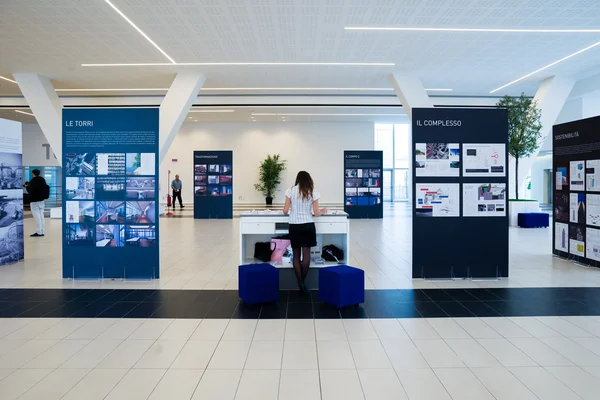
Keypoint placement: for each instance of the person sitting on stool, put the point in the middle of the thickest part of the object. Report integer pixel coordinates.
(176, 186)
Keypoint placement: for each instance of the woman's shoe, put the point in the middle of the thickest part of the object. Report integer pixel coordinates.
(305, 289)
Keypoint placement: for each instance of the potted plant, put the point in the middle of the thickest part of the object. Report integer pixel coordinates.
(270, 170)
(524, 128)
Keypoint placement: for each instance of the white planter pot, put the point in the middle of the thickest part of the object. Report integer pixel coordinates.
(516, 207)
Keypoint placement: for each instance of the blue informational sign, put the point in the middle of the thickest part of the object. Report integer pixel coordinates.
(363, 188)
(213, 184)
(110, 193)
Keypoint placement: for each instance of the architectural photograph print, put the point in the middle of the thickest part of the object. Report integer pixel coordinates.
(561, 237)
(577, 175)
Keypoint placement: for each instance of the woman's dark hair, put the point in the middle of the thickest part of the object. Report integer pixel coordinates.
(305, 184)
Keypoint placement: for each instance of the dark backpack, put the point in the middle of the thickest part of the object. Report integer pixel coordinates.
(46, 191)
(332, 253)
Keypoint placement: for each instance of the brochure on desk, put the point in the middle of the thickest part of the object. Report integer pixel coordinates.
(363, 184)
(110, 193)
(460, 219)
(576, 206)
(213, 184)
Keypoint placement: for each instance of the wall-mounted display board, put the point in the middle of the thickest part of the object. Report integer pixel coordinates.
(11, 192)
(110, 193)
(363, 183)
(460, 176)
(213, 184)
(576, 158)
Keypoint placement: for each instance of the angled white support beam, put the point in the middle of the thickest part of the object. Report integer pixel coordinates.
(175, 107)
(551, 98)
(410, 91)
(412, 94)
(46, 106)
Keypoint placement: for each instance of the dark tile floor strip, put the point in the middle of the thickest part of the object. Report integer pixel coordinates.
(423, 303)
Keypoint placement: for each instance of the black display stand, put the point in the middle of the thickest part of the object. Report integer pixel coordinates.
(459, 246)
(363, 183)
(576, 191)
(213, 184)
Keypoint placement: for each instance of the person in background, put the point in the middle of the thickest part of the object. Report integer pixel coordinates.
(176, 186)
(301, 203)
(38, 190)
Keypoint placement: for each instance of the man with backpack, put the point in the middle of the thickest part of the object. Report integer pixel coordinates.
(38, 191)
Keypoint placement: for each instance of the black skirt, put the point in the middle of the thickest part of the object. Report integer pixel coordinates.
(303, 235)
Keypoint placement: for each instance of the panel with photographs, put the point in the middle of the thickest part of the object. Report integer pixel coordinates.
(104, 194)
(213, 180)
(363, 187)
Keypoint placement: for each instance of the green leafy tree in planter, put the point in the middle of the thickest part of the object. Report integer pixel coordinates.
(524, 128)
(270, 170)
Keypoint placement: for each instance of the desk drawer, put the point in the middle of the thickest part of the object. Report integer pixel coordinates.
(331, 227)
(250, 228)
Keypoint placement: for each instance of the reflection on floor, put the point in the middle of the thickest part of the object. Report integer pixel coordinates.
(204, 254)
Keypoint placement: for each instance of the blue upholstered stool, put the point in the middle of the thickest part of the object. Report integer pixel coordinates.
(258, 283)
(342, 286)
(533, 220)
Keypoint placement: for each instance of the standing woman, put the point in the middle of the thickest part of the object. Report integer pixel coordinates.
(301, 203)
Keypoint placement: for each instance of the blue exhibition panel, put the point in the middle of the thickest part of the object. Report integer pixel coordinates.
(363, 183)
(110, 193)
(213, 184)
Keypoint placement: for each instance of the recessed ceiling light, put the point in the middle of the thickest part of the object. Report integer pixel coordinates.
(115, 90)
(211, 111)
(195, 120)
(331, 114)
(23, 112)
(139, 30)
(223, 64)
(407, 29)
(232, 89)
(547, 66)
(6, 79)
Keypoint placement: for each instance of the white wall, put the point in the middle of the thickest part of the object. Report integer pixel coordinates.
(313, 146)
(36, 152)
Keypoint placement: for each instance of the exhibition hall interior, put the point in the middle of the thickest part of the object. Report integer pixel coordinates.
(148, 149)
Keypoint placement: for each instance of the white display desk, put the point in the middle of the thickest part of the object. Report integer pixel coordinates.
(261, 226)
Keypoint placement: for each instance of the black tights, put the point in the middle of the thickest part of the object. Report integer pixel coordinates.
(301, 266)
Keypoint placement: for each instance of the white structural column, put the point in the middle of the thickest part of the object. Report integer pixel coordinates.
(410, 91)
(551, 98)
(175, 107)
(46, 106)
(412, 94)
(590, 105)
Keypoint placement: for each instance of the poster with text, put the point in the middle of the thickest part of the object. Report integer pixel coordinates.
(438, 200)
(592, 244)
(561, 237)
(437, 159)
(484, 199)
(484, 159)
(11, 192)
(577, 175)
(110, 196)
(593, 210)
(213, 184)
(363, 184)
(592, 175)
(577, 208)
(577, 240)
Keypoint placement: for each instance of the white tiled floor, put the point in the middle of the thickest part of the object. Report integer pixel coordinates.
(425, 359)
(203, 254)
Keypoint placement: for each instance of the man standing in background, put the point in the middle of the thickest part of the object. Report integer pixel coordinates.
(38, 191)
(176, 186)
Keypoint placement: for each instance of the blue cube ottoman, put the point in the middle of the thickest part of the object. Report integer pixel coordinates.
(533, 220)
(258, 283)
(342, 286)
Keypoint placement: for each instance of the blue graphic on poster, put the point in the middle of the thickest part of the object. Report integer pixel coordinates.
(11, 193)
(213, 184)
(110, 198)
